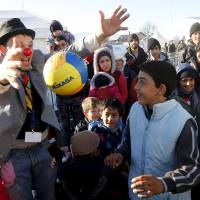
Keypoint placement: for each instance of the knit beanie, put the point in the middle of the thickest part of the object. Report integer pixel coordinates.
(188, 73)
(186, 70)
(134, 36)
(162, 73)
(55, 25)
(152, 43)
(101, 80)
(84, 143)
(194, 28)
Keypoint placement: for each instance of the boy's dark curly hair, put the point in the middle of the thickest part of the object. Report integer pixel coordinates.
(114, 104)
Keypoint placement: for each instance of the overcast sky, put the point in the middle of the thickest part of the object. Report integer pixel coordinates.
(83, 16)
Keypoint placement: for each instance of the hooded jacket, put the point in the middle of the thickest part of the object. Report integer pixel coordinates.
(105, 91)
(190, 102)
(118, 75)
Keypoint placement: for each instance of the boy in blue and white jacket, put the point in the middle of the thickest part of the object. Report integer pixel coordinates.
(110, 128)
(160, 139)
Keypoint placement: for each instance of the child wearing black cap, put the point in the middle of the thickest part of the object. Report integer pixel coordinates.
(189, 54)
(160, 139)
(154, 50)
(56, 29)
(187, 93)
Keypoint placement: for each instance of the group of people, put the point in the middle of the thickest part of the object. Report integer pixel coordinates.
(132, 132)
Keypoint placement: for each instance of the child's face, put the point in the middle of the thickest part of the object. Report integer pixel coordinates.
(22, 42)
(147, 92)
(105, 64)
(119, 64)
(155, 53)
(61, 45)
(110, 117)
(93, 114)
(195, 37)
(57, 33)
(187, 84)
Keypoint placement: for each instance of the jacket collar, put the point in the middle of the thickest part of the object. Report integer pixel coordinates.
(161, 109)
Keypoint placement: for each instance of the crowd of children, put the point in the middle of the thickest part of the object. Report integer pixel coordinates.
(158, 142)
(132, 132)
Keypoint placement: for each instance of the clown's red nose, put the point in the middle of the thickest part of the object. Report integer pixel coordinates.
(27, 52)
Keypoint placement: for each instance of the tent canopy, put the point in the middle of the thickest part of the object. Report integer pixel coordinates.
(157, 35)
(38, 24)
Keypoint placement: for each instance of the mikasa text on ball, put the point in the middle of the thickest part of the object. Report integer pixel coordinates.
(65, 73)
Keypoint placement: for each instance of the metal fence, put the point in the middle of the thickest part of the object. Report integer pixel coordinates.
(175, 57)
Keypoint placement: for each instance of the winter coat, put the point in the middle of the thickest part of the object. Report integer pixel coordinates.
(117, 74)
(82, 125)
(137, 61)
(157, 159)
(109, 91)
(163, 57)
(189, 54)
(190, 102)
(109, 138)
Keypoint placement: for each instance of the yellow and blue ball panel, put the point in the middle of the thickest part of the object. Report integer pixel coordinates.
(65, 74)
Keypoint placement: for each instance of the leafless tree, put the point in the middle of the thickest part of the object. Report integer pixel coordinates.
(148, 28)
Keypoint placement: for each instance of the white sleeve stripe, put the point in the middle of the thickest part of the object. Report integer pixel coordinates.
(191, 183)
(196, 159)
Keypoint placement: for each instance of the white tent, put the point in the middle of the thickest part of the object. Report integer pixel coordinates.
(38, 24)
(181, 28)
(157, 35)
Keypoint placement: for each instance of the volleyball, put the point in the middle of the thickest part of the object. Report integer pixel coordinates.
(65, 73)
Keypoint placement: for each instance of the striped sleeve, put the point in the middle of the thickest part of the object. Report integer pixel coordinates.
(187, 172)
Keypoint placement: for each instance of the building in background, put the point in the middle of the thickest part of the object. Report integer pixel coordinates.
(38, 24)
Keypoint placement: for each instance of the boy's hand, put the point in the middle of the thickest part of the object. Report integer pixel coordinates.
(10, 67)
(130, 62)
(53, 163)
(113, 24)
(146, 186)
(67, 153)
(113, 160)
